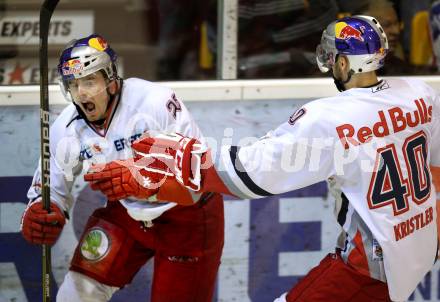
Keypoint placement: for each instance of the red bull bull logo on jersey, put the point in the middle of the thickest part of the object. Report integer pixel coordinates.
(72, 67)
(345, 31)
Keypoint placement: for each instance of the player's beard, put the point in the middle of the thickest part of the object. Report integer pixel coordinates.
(339, 84)
(337, 78)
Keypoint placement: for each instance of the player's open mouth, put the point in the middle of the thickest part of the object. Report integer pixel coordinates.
(89, 107)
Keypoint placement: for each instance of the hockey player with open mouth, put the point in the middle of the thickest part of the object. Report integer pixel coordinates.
(142, 218)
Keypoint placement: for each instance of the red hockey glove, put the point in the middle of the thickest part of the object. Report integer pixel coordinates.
(126, 178)
(185, 157)
(120, 179)
(40, 227)
(179, 154)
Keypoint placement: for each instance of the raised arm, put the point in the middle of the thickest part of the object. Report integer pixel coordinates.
(296, 154)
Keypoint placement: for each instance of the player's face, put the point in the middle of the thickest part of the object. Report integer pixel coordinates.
(91, 95)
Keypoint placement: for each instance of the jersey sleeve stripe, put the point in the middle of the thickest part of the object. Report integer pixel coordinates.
(342, 215)
(226, 172)
(227, 180)
(244, 176)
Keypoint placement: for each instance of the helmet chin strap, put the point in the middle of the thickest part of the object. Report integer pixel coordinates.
(340, 84)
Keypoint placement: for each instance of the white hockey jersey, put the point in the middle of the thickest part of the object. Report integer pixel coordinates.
(74, 145)
(374, 146)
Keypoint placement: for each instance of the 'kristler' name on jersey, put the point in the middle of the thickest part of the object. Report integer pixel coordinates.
(414, 223)
(399, 120)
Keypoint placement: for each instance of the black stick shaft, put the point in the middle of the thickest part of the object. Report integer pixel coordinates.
(46, 12)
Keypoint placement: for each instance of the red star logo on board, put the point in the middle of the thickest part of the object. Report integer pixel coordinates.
(17, 74)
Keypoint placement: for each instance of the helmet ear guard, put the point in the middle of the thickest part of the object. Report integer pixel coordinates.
(360, 38)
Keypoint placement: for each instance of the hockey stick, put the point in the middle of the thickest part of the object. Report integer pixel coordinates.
(46, 12)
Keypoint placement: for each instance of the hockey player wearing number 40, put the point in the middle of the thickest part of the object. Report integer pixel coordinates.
(107, 113)
(385, 200)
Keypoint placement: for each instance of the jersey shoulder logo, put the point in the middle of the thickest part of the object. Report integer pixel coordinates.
(296, 116)
(382, 86)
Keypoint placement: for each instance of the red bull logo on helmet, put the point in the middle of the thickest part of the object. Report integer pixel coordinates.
(98, 43)
(382, 51)
(72, 67)
(345, 31)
